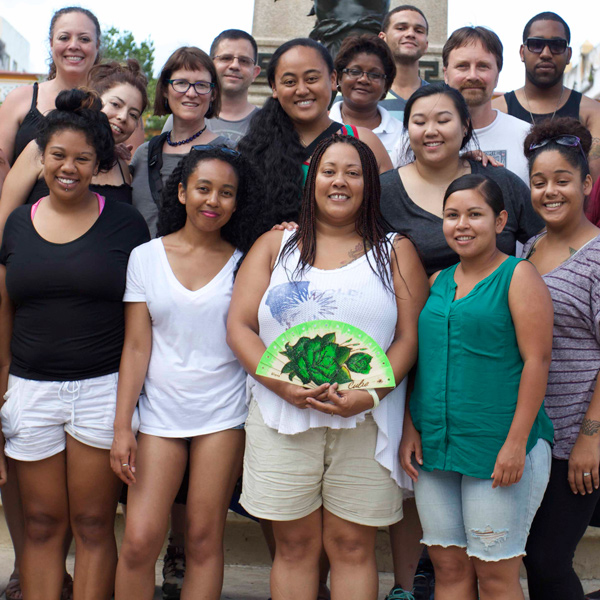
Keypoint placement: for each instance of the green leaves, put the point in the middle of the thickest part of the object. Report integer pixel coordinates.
(360, 363)
(321, 360)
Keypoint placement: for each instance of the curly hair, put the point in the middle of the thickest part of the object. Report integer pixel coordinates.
(274, 147)
(193, 59)
(106, 76)
(370, 223)
(367, 44)
(246, 223)
(81, 110)
(548, 130)
(65, 11)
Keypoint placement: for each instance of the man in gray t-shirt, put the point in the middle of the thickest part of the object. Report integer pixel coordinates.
(235, 54)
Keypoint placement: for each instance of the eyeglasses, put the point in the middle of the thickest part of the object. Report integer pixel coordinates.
(224, 149)
(537, 45)
(357, 73)
(571, 141)
(181, 86)
(227, 59)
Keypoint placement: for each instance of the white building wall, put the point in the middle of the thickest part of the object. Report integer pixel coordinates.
(585, 75)
(15, 56)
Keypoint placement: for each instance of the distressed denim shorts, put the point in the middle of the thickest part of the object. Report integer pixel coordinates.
(491, 524)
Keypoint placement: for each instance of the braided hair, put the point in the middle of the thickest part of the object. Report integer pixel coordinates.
(370, 223)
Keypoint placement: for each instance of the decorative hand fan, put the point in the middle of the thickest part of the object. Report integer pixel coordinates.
(323, 351)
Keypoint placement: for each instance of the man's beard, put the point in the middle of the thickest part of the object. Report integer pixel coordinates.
(545, 83)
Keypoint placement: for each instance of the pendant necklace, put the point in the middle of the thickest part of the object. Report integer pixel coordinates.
(554, 113)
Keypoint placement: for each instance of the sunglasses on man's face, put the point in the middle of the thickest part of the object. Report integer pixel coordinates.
(537, 45)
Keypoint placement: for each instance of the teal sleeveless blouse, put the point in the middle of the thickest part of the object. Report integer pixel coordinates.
(468, 374)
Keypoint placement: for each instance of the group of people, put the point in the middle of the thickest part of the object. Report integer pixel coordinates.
(140, 284)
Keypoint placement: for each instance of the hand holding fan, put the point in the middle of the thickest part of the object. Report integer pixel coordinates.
(323, 351)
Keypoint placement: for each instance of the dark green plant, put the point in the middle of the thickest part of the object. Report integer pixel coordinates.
(321, 360)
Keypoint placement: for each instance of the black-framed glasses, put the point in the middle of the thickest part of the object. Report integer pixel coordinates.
(227, 59)
(224, 149)
(537, 45)
(357, 73)
(571, 141)
(181, 86)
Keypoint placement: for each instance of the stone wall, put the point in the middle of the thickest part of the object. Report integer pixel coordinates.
(275, 22)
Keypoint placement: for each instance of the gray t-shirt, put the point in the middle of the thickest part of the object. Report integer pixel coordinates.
(142, 196)
(425, 228)
(575, 289)
(233, 130)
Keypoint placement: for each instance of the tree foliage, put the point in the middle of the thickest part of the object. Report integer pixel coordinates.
(121, 45)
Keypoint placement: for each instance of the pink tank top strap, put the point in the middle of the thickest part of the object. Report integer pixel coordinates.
(34, 207)
(101, 203)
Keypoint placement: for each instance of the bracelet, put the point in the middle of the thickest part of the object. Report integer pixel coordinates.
(374, 396)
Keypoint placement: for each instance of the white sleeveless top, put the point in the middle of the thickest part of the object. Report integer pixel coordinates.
(353, 294)
(194, 384)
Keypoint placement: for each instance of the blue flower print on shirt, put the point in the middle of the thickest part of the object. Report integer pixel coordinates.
(294, 302)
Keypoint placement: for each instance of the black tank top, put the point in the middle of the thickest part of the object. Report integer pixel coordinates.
(29, 127)
(569, 109)
(112, 193)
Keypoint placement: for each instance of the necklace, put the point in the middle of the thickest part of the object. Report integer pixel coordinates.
(199, 133)
(562, 90)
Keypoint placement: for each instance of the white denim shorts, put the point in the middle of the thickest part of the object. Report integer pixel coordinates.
(490, 523)
(37, 415)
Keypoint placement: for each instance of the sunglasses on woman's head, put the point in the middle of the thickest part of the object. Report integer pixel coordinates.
(571, 141)
(224, 149)
(537, 45)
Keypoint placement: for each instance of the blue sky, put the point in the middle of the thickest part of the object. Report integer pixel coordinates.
(169, 31)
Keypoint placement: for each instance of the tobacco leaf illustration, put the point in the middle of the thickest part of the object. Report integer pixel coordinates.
(321, 360)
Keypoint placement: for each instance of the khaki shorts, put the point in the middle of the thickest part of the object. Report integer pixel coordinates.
(287, 477)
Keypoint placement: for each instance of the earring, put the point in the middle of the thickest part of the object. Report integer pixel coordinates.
(166, 104)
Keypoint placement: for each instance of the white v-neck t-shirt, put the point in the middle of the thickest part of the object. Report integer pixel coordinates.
(194, 384)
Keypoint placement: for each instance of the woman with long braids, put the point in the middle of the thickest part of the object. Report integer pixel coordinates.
(567, 255)
(62, 277)
(304, 447)
(284, 134)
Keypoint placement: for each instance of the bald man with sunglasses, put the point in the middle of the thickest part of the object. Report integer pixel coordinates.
(546, 53)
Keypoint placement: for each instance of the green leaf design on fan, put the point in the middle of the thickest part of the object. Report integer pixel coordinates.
(318, 360)
(309, 354)
(360, 363)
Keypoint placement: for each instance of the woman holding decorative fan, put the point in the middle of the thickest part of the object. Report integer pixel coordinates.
(337, 303)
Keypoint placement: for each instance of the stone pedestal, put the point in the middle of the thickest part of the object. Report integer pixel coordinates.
(275, 22)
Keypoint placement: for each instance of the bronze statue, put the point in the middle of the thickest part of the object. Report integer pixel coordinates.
(337, 19)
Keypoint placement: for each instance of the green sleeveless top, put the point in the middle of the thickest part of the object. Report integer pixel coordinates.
(468, 375)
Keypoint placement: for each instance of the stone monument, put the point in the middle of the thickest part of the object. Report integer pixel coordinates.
(276, 21)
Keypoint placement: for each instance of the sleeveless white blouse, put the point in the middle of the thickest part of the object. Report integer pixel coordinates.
(353, 294)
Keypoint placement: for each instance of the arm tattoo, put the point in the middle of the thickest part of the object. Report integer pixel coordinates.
(595, 149)
(589, 427)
